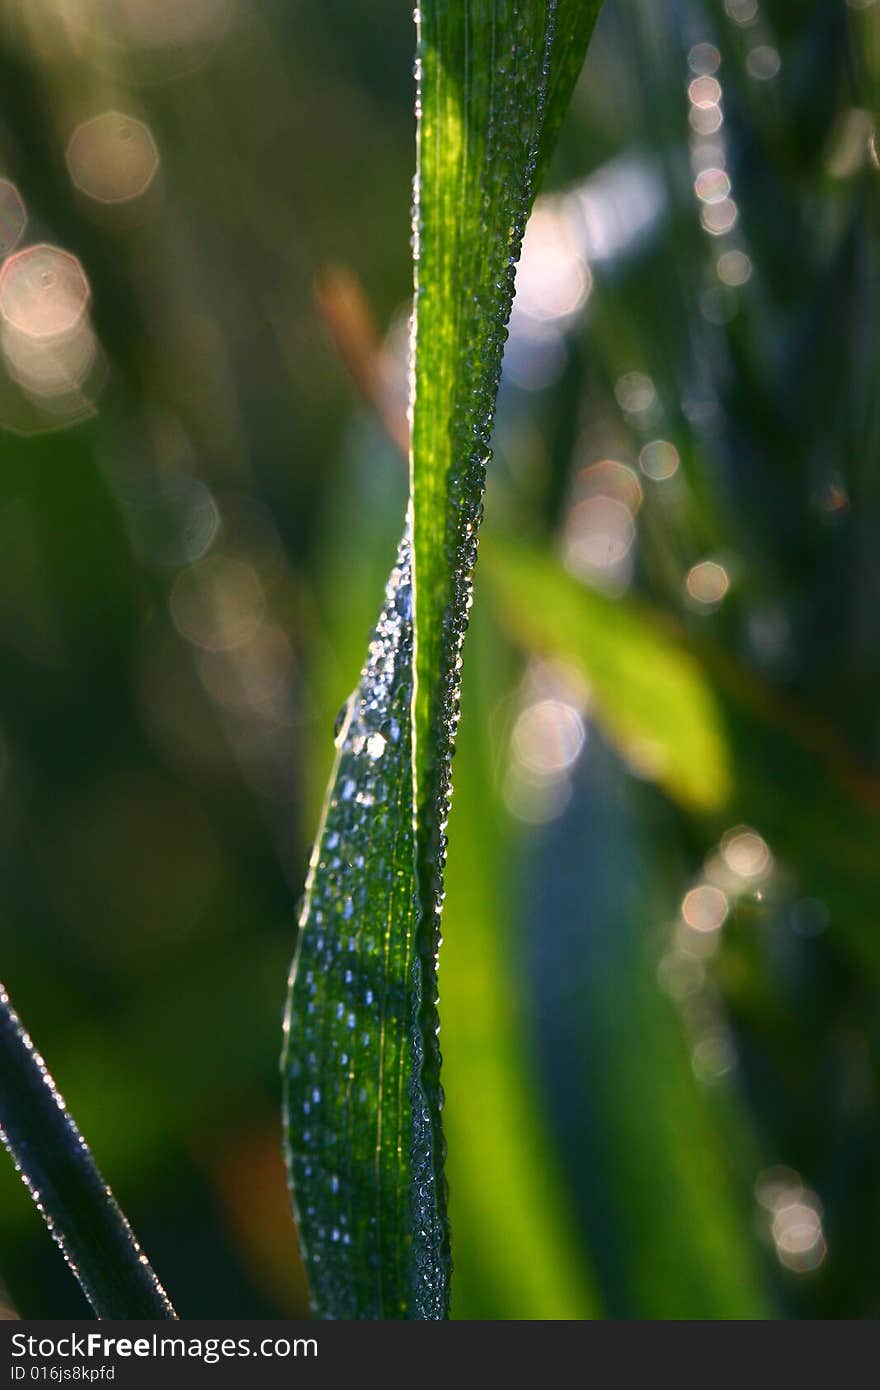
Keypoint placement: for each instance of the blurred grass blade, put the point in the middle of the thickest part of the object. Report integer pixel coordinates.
(660, 1162)
(518, 1250)
(652, 698)
(675, 706)
(361, 1064)
(72, 1197)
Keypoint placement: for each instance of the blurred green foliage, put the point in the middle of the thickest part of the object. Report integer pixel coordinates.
(658, 985)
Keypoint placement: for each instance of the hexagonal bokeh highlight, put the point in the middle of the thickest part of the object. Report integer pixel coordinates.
(48, 368)
(43, 292)
(112, 158)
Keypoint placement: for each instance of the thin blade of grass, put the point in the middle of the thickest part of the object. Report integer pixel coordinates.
(60, 1173)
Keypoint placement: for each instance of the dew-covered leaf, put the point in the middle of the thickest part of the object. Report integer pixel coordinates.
(354, 1108)
(361, 1064)
(513, 1257)
(494, 82)
(59, 1172)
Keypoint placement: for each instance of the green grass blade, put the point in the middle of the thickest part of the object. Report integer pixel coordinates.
(517, 1249)
(495, 79)
(353, 1111)
(361, 1062)
(72, 1197)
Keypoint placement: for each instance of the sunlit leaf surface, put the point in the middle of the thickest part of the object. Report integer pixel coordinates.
(354, 1112)
(361, 1060)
